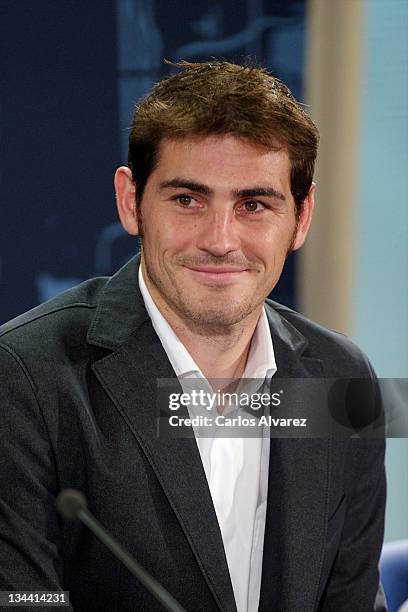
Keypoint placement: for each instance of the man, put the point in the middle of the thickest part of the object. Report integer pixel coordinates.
(219, 188)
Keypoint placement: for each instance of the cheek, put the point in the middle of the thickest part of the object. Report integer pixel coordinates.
(165, 238)
(271, 246)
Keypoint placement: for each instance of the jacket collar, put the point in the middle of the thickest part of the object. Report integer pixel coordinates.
(120, 310)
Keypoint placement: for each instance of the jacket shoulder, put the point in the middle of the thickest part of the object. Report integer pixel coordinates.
(339, 353)
(68, 312)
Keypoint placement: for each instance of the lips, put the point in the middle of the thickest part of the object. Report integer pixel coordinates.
(217, 274)
(217, 269)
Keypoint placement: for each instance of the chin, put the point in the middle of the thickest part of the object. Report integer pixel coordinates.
(215, 318)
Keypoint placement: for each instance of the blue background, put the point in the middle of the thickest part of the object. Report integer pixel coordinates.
(70, 74)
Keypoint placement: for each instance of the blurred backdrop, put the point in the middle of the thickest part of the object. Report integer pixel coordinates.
(70, 74)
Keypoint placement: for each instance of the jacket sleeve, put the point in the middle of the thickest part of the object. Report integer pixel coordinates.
(29, 526)
(354, 580)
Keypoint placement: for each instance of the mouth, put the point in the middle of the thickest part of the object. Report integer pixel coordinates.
(217, 274)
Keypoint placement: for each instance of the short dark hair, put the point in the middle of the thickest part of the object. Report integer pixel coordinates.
(217, 97)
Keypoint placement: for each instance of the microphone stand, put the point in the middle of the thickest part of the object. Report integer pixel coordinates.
(72, 506)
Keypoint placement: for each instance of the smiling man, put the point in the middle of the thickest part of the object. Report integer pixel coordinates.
(219, 186)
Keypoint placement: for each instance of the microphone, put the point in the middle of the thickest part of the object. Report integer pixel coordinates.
(72, 506)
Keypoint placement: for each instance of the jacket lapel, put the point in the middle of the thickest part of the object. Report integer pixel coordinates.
(297, 486)
(129, 375)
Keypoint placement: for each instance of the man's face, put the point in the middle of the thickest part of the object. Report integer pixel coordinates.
(217, 219)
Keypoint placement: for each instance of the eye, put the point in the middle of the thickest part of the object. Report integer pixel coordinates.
(252, 206)
(185, 200)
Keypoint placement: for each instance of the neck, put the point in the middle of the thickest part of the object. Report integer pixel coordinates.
(219, 356)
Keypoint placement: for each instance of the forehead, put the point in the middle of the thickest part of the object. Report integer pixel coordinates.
(222, 158)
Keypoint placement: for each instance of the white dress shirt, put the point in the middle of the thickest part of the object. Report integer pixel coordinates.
(236, 468)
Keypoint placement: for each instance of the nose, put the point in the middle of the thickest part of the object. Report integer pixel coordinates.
(219, 233)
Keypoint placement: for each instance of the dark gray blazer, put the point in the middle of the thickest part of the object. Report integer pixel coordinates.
(78, 387)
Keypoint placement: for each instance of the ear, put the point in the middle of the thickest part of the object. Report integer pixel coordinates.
(125, 190)
(305, 218)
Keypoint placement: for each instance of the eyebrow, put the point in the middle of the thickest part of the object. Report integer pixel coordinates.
(253, 192)
(180, 183)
